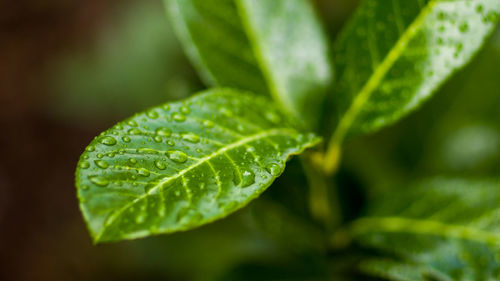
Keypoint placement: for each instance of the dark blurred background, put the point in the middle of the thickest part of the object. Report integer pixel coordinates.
(70, 69)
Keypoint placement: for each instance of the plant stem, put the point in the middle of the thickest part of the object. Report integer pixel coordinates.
(323, 198)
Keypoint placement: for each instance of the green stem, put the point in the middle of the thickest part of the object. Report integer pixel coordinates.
(323, 198)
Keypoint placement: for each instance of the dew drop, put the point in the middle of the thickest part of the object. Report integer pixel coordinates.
(273, 117)
(177, 156)
(125, 139)
(85, 187)
(84, 165)
(134, 131)
(166, 132)
(208, 123)
(463, 27)
(143, 172)
(190, 137)
(158, 139)
(247, 178)
(441, 16)
(99, 155)
(171, 142)
(185, 109)
(99, 181)
(274, 169)
(146, 150)
(160, 165)
(90, 148)
(178, 117)
(132, 123)
(132, 160)
(152, 114)
(493, 16)
(140, 218)
(101, 164)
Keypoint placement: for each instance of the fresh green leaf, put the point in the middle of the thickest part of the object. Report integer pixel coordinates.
(395, 270)
(184, 164)
(395, 53)
(275, 47)
(448, 226)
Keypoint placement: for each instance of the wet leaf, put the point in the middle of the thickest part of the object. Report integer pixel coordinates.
(183, 164)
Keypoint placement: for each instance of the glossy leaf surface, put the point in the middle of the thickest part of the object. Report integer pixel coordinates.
(394, 54)
(275, 47)
(183, 164)
(449, 227)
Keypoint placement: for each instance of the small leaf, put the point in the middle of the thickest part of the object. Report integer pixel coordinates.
(275, 47)
(184, 164)
(395, 53)
(447, 226)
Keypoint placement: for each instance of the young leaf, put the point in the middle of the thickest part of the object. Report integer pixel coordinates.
(184, 164)
(395, 53)
(265, 46)
(450, 227)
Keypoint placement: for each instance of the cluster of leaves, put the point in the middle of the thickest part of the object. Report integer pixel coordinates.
(181, 165)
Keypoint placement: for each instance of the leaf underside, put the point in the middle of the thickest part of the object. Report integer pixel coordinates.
(268, 47)
(448, 228)
(394, 54)
(183, 164)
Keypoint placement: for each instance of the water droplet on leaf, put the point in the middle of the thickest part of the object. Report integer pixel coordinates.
(99, 181)
(274, 169)
(178, 117)
(166, 132)
(152, 114)
(84, 165)
(463, 27)
(101, 164)
(143, 172)
(190, 137)
(134, 131)
(185, 109)
(177, 156)
(160, 165)
(247, 178)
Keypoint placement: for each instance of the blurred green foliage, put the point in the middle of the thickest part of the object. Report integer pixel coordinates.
(134, 63)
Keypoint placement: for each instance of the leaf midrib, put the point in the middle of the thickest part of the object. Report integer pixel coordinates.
(241, 142)
(379, 74)
(423, 226)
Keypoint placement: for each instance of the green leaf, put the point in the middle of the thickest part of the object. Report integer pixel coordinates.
(395, 270)
(394, 54)
(448, 226)
(275, 47)
(184, 164)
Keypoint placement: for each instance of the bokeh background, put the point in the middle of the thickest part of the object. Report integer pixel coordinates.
(70, 69)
